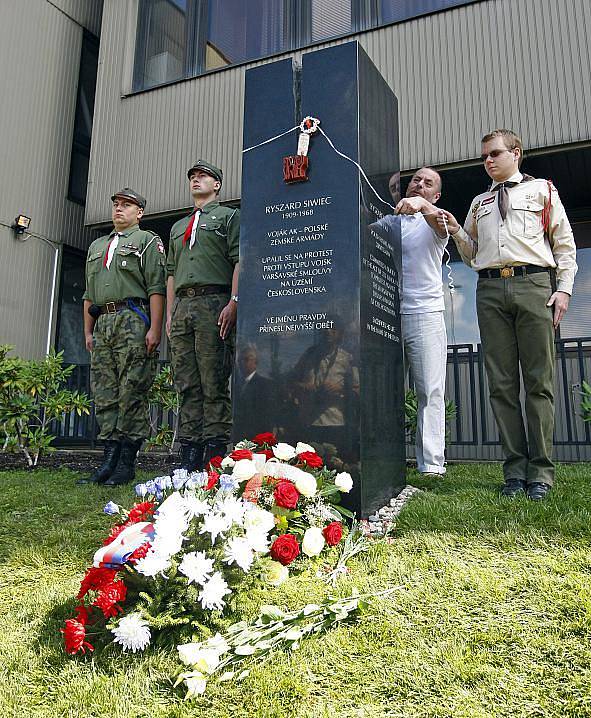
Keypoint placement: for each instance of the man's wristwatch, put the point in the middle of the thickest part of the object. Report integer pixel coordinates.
(234, 298)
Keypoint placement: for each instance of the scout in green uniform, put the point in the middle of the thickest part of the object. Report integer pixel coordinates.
(202, 296)
(123, 310)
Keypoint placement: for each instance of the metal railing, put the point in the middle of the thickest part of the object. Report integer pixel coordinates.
(472, 432)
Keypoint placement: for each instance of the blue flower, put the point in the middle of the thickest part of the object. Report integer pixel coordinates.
(150, 487)
(141, 490)
(111, 508)
(228, 483)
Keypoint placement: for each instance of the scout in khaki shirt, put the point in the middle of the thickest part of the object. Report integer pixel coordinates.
(202, 297)
(516, 236)
(123, 311)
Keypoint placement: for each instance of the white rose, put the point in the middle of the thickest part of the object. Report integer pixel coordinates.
(306, 484)
(257, 519)
(301, 448)
(276, 573)
(313, 542)
(284, 452)
(244, 469)
(344, 482)
(228, 462)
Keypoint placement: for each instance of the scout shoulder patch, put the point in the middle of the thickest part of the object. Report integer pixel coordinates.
(159, 245)
(475, 208)
(488, 200)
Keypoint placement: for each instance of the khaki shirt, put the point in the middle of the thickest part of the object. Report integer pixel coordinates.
(136, 270)
(214, 253)
(486, 242)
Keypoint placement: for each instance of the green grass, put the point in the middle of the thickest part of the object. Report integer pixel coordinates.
(492, 617)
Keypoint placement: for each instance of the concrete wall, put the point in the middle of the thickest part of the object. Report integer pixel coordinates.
(40, 44)
(517, 63)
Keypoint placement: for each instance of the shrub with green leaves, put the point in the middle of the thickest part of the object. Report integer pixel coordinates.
(163, 399)
(32, 396)
(411, 410)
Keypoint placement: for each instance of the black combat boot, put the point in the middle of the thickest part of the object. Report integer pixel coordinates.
(214, 447)
(125, 471)
(104, 471)
(191, 455)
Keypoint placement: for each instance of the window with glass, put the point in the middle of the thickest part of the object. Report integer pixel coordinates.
(185, 38)
(80, 157)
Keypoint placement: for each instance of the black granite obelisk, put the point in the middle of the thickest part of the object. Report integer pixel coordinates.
(319, 356)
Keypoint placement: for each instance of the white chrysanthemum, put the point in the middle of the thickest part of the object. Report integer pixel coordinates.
(167, 544)
(153, 564)
(215, 524)
(132, 633)
(172, 506)
(233, 508)
(212, 595)
(244, 469)
(196, 684)
(306, 484)
(344, 482)
(284, 452)
(195, 506)
(258, 540)
(228, 462)
(258, 519)
(239, 551)
(301, 448)
(313, 542)
(196, 567)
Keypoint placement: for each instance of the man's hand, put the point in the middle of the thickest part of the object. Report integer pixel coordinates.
(444, 217)
(89, 341)
(152, 340)
(560, 302)
(227, 318)
(412, 205)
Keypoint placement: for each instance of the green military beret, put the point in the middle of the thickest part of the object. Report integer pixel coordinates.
(128, 193)
(204, 166)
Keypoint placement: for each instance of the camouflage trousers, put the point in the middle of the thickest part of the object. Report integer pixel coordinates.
(201, 367)
(121, 374)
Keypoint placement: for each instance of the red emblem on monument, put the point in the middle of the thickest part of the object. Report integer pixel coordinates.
(295, 167)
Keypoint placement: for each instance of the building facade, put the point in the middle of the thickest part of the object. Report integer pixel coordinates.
(170, 89)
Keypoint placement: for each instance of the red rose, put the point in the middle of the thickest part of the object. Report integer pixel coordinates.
(265, 438)
(286, 495)
(311, 458)
(285, 549)
(74, 635)
(212, 479)
(333, 533)
(239, 454)
(216, 462)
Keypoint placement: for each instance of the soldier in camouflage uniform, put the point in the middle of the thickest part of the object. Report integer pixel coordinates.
(202, 296)
(123, 311)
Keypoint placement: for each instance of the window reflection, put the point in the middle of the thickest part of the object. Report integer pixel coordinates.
(162, 42)
(577, 322)
(460, 307)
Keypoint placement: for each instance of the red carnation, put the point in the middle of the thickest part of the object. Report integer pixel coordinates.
(216, 462)
(108, 597)
(82, 614)
(239, 454)
(74, 635)
(265, 438)
(114, 532)
(95, 579)
(311, 458)
(333, 533)
(286, 495)
(212, 479)
(140, 552)
(140, 512)
(285, 549)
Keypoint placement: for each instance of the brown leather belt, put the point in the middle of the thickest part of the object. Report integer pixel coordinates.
(506, 272)
(114, 307)
(204, 289)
